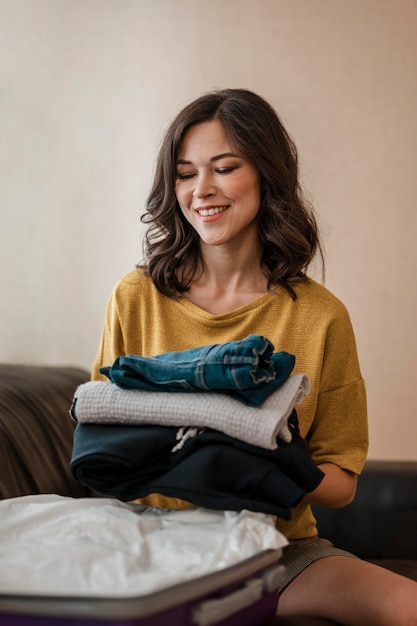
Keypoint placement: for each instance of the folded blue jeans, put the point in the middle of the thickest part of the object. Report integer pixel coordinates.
(247, 369)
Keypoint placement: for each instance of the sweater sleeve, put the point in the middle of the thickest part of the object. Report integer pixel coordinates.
(111, 343)
(339, 432)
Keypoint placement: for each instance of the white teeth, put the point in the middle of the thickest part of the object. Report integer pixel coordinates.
(212, 211)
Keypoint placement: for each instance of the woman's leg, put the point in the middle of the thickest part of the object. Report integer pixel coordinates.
(351, 592)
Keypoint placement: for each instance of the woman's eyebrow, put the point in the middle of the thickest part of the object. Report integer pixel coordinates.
(217, 157)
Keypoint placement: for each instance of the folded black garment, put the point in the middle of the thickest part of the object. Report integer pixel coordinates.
(209, 469)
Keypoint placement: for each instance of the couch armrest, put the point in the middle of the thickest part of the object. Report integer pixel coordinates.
(381, 522)
(36, 431)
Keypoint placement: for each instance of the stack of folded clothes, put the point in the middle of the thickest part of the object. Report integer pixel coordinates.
(216, 426)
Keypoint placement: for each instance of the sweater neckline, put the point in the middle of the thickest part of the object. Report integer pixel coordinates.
(194, 308)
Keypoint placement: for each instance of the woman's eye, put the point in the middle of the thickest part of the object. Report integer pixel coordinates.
(218, 170)
(225, 170)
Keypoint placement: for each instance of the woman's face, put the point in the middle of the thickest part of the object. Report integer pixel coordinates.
(217, 189)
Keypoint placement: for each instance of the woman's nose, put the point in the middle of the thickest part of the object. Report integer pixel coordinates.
(204, 186)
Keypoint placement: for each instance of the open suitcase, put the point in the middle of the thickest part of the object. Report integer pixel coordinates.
(244, 594)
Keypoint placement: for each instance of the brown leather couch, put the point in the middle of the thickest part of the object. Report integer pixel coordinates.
(35, 449)
(36, 430)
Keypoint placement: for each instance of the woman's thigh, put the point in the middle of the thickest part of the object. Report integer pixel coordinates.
(351, 592)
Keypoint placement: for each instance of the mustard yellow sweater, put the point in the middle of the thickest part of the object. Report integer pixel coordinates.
(316, 328)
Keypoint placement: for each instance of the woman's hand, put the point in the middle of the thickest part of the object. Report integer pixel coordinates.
(337, 489)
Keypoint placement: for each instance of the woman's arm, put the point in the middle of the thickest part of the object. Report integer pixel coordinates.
(337, 489)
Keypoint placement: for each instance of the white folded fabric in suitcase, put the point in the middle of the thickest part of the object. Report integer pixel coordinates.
(55, 545)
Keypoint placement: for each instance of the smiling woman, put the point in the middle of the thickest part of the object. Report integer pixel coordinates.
(220, 144)
(227, 250)
(217, 189)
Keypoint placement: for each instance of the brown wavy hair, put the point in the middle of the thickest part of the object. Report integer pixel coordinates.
(286, 223)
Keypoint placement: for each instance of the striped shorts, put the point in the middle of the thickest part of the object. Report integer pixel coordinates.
(300, 553)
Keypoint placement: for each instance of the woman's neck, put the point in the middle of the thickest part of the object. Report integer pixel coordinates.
(224, 284)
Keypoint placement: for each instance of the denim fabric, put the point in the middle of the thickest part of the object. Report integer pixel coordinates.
(247, 369)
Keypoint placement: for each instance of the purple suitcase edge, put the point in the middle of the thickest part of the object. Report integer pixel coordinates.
(245, 594)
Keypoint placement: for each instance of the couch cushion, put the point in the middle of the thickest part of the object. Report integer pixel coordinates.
(36, 430)
(381, 522)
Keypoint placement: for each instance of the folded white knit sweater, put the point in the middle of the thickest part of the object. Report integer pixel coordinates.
(106, 403)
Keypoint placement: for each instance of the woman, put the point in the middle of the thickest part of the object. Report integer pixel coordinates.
(228, 245)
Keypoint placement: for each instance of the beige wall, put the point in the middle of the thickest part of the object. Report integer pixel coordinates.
(86, 90)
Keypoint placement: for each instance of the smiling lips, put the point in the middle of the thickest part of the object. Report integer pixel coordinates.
(214, 210)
